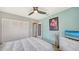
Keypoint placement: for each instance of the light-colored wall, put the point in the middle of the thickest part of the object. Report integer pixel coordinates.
(14, 27)
(68, 20)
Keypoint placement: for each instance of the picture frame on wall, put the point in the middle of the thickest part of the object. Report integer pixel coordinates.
(54, 24)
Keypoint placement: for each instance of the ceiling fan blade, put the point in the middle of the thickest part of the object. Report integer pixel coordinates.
(41, 12)
(35, 8)
(31, 13)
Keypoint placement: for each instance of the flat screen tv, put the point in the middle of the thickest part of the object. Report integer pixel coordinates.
(72, 34)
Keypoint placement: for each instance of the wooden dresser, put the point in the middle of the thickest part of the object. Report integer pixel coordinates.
(66, 44)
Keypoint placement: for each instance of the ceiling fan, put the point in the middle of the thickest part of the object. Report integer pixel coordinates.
(35, 10)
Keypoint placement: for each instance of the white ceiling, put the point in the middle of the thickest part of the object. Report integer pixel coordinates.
(24, 11)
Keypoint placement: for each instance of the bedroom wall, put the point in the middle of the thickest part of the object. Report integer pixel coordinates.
(14, 27)
(68, 20)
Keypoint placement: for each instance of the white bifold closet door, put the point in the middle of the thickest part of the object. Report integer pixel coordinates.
(14, 29)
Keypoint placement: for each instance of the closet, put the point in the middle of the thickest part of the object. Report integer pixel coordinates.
(13, 29)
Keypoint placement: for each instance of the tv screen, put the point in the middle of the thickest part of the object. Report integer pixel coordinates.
(72, 34)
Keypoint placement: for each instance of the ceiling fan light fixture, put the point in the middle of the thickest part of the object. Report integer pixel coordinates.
(35, 11)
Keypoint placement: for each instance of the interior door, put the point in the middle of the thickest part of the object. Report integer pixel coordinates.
(34, 29)
(39, 30)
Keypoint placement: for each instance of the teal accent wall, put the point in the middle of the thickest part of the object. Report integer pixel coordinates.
(68, 20)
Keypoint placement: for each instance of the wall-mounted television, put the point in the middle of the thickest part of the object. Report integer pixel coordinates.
(72, 34)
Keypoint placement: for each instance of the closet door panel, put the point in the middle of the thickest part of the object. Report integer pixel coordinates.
(14, 29)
